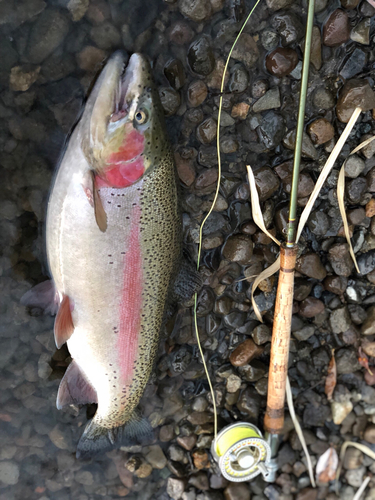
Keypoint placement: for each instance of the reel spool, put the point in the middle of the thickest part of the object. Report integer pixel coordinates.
(242, 453)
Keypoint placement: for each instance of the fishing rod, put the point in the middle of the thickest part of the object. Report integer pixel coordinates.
(274, 418)
(240, 450)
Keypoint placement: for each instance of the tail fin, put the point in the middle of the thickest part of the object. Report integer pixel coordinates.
(97, 439)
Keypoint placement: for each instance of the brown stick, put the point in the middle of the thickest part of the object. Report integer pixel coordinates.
(274, 418)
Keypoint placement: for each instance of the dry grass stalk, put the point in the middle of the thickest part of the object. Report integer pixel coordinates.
(362, 488)
(363, 144)
(340, 199)
(326, 170)
(365, 449)
(289, 398)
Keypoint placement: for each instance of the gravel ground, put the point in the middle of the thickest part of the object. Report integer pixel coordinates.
(50, 52)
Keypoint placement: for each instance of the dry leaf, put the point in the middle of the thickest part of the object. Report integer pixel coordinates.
(327, 466)
(363, 360)
(326, 170)
(255, 206)
(331, 377)
(340, 199)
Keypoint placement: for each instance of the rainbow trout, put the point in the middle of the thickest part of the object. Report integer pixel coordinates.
(114, 250)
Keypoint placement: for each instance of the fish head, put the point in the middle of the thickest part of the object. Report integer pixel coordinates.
(124, 132)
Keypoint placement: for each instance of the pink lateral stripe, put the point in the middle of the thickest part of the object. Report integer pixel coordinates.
(131, 301)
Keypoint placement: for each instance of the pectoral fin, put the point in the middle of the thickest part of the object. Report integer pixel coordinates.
(91, 191)
(63, 323)
(75, 388)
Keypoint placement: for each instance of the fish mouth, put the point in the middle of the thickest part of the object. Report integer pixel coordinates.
(118, 91)
(129, 89)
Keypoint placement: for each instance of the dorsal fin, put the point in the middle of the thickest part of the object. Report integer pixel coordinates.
(63, 323)
(75, 388)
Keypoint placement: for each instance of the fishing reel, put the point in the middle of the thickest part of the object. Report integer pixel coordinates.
(242, 453)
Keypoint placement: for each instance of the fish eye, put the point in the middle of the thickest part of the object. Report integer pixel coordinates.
(140, 116)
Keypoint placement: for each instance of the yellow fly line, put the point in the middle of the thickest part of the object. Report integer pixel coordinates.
(210, 211)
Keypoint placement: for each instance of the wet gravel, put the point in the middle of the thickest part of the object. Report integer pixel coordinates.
(50, 52)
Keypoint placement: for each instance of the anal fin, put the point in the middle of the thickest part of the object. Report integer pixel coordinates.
(75, 388)
(63, 323)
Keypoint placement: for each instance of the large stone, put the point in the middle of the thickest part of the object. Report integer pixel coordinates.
(9, 472)
(336, 29)
(361, 32)
(175, 488)
(311, 265)
(310, 307)
(281, 61)
(267, 182)
(355, 93)
(197, 93)
(201, 57)
(354, 166)
(237, 491)
(106, 36)
(340, 320)
(347, 361)
(196, 10)
(246, 51)
(288, 26)
(270, 100)
(308, 149)
(340, 259)
(244, 353)
(21, 78)
(155, 457)
(354, 65)
(321, 131)
(238, 248)
(316, 48)
(278, 4)
(369, 435)
(340, 410)
(368, 327)
(47, 33)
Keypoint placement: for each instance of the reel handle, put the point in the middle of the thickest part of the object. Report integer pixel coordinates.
(274, 418)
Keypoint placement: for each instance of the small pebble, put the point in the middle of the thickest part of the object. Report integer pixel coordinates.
(281, 61)
(244, 353)
(321, 131)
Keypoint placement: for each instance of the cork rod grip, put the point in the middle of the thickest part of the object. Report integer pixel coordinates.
(274, 418)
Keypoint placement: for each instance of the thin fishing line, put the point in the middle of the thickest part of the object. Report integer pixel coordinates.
(210, 211)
